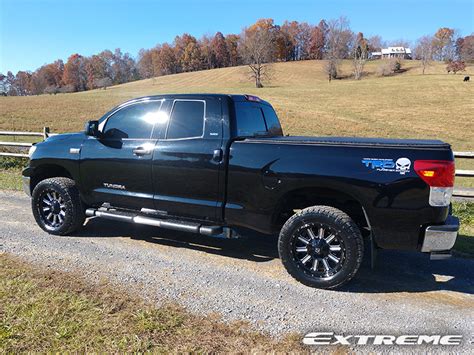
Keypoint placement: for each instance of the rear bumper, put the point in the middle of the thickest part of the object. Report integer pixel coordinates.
(441, 238)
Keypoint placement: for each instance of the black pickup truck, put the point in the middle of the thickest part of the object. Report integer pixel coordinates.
(219, 165)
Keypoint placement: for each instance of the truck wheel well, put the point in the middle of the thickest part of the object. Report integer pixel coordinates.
(46, 172)
(307, 197)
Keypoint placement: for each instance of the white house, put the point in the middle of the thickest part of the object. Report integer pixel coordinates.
(392, 52)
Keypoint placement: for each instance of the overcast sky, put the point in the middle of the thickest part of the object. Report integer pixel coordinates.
(35, 32)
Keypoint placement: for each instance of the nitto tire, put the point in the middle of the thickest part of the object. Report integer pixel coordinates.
(57, 206)
(321, 247)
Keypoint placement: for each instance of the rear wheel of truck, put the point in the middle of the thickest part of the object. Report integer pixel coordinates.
(321, 247)
(57, 206)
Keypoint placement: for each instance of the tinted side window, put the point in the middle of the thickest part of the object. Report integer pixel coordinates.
(250, 121)
(134, 121)
(187, 120)
(273, 124)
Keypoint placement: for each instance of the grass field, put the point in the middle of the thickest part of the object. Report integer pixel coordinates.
(435, 105)
(47, 311)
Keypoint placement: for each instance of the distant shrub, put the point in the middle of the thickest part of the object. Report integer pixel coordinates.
(52, 89)
(389, 67)
(103, 83)
(455, 66)
(67, 88)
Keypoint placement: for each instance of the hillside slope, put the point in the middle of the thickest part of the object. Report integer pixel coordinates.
(435, 105)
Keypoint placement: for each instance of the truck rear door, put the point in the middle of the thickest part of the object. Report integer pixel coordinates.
(187, 161)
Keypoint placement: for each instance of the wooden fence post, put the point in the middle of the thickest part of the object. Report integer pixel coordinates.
(45, 132)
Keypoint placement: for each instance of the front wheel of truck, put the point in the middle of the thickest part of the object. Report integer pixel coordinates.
(321, 247)
(57, 206)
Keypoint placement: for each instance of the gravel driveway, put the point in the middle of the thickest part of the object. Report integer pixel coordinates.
(243, 279)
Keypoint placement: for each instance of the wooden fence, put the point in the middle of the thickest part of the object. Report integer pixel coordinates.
(461, 192)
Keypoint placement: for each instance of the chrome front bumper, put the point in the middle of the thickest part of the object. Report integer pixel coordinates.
(441, 238)
(26, 185)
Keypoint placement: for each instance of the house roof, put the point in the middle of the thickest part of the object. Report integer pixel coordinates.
(396, 50)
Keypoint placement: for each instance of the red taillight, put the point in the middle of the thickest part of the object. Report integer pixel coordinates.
(436, 173)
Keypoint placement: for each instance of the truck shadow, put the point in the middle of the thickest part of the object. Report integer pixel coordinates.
(396, 271)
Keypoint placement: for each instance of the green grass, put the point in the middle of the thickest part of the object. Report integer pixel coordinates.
(465, 241)
(48, 311)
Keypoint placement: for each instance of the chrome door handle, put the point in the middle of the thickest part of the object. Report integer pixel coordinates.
(142, 151)
(217, 155)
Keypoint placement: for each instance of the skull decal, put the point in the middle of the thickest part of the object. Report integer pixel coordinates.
(403, 165)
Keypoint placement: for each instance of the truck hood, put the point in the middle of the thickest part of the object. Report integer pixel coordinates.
(66, 136)
(359, 141)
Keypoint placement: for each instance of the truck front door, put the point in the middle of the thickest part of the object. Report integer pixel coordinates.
(116, 167)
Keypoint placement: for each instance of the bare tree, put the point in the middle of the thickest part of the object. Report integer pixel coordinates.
(424, 51)
(257, 52)
(339, 38)
(376, 43)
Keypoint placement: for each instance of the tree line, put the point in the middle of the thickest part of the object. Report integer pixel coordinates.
(257, 46)
(445, 45)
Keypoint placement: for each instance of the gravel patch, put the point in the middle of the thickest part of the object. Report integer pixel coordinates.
(244, 280)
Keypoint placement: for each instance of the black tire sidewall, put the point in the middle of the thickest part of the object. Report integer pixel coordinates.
(73, 208)
(340, 223)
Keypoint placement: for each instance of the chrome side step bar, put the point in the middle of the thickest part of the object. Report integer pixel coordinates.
(156, 222)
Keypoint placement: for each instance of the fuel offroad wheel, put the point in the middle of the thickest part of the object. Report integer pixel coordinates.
(57, 206)
(321, 247)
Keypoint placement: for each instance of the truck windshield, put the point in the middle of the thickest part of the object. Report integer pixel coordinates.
(253, 119)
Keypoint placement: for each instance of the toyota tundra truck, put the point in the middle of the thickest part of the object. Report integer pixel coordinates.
(219, 165)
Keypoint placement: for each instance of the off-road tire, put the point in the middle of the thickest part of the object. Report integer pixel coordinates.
(66, 191)
(336, 221)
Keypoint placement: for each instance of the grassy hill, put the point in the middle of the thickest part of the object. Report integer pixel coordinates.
(435, 105)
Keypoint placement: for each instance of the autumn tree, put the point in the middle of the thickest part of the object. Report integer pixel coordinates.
(443, 44)
(98, 66)
(220, 50)
(257, 49)
(188, 53)
(145, 63)
(22, 83)
(232, 42)
(168, 60)
(455, 66)
(208, 56)
(123, 67)
(360, 54)
(318, 38)
(466, 52)
(424, 51)
(75, 74)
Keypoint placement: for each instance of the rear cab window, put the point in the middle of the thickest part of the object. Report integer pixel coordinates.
(256, 120)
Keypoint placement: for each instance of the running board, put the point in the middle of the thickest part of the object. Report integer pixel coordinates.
(156, 222)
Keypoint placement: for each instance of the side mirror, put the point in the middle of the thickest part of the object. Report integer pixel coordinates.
(92, 128)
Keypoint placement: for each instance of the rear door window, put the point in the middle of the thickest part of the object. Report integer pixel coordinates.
(187, 119)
